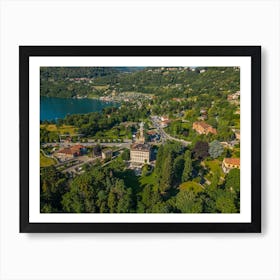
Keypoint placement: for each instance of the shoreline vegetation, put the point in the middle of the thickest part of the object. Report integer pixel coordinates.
(188, 119)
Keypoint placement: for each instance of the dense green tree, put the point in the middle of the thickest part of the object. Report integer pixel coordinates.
(200, 150)
(150, 198)
(112, 201)
(215, 149)
(140, 207)
(101, 201)
(208, 202)
(72, 204)
(232, 185)
(53, 187)
(159, 161)
(80, 198)
(233, 181)
(167, 175)
(147, 194)
(160, 207)
(225, 202)
(187, 172)
(178, 167)
(126, 154)
(125, 201)
(187, 202)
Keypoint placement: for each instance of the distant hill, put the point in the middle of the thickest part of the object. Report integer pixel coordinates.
(129, 69)
(167, 82)
(61, 73)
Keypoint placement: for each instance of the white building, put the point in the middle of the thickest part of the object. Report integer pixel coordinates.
(140, 152)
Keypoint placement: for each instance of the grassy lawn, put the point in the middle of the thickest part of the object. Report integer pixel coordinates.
(191, 186)
(236, 152)
(215, 168)
(61, 130)
(112, 134)
(93, 95)
(45, 161)
(148, 180)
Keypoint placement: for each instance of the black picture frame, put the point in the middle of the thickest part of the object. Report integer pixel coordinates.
(25, 52)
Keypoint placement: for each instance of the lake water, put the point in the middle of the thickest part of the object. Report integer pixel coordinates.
(55, 108)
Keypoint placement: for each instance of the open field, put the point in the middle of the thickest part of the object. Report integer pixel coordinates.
(61, 130)
(45, 161)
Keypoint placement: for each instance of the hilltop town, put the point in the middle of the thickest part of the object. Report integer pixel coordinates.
(172, 145)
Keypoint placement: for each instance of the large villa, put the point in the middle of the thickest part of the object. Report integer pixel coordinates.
(140, 151)
(204, 128)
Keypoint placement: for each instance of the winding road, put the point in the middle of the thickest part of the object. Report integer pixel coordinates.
(165, 136)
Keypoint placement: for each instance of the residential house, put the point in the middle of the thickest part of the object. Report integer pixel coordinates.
(164, 121)
(234, 98)
(70, 152)
(230, 163)
(204, 128)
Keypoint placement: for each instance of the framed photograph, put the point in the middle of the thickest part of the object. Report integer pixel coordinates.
(140, 138)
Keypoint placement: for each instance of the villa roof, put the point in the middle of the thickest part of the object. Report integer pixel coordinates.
(140, 147)
(67, 151)
(71, 150)
(203, 124)
(77, 147)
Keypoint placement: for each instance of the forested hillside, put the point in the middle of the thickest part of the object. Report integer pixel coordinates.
(71, 82)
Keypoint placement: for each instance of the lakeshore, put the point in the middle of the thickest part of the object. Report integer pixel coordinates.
(52, 108)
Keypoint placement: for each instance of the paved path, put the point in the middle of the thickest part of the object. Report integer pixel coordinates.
(168, 136)
(74, 167)
(48, 156)
(83, 160)
(125, 144)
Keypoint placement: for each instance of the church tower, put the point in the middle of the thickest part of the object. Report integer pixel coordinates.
(141, 138)
(140, 152)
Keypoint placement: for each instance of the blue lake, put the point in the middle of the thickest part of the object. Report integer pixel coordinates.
(55, 108)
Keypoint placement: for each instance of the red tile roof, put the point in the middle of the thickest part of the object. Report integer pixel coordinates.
(203, 124)
(207, 128)
(71, 150)
(66, 151)
(233, 161)
(77, 147)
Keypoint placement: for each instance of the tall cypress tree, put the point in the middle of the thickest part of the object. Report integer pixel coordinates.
(187, 172)
(167, 173)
